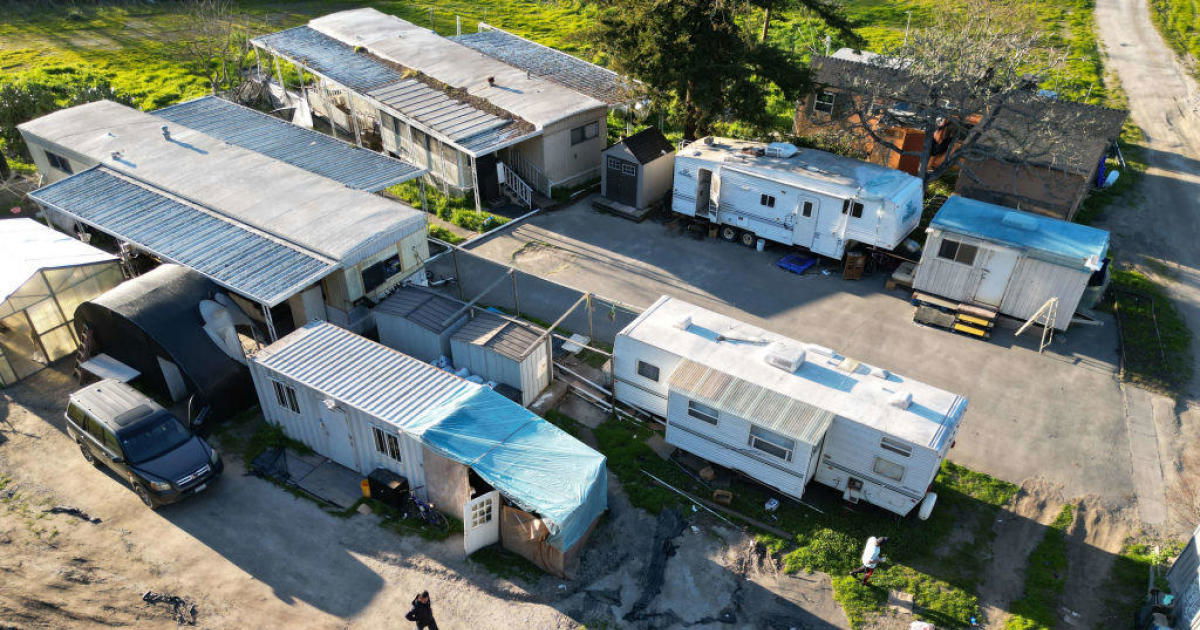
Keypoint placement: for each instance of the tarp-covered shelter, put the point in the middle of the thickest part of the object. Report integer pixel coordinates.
(153, 324)
(44, 275)
(367, 406)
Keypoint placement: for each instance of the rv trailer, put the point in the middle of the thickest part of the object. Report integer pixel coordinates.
(803, 197)
(785, 412)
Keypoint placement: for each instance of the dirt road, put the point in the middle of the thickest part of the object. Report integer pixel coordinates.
(1161, 219)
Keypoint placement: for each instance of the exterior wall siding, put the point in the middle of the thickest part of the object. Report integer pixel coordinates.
(850, 450)
(1031, 188)
(1035, 281)
(566, 164)
(413, 339)
(530, 375)
(634, 389)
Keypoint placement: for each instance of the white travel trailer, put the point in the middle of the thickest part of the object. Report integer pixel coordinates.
(812, 199)
(785, 412)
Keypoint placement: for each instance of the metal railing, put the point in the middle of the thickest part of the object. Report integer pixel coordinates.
(517, 186)
(527, 171)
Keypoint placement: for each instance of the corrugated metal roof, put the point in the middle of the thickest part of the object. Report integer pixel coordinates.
(761, 406)
(310, 150)
(27, 246)
(1043, 237)
(566, 70)
(506, 337)
(329, 57)
(233, 255)
(463, 124)
(424, 308)
(355, 371)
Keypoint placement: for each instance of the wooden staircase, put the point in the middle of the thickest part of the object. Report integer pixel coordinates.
(960, 317)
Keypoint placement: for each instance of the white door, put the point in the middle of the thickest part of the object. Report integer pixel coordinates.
(176, 386)
(997, 269)
(337, 437)
(482, 522)
(805, 220)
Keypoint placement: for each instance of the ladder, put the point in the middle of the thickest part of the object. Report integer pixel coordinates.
(1047, 315)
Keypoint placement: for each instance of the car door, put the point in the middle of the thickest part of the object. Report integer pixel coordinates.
(91, 438)
(113, 453)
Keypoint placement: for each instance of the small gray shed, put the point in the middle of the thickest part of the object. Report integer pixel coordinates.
(637, 171)
(419, 322)
(504, 351)
(1184, 578)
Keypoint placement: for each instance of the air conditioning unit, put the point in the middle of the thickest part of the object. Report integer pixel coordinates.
(785, 357)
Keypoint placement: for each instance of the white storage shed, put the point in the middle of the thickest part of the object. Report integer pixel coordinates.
(1012, 261)
(791, 196)
(785, 412)
(504, 351)
(419, 322)
(636, 171)
(508, 474)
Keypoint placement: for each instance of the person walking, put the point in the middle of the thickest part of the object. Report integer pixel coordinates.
(422, 612)
(871, 557)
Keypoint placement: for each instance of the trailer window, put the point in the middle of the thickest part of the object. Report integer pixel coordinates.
(854, 208)
(772, 443)
(808, 208)
(767, 200)
(585, 133)
(891, 470)
(824, 102)
(386, 443)
(286, 397)
(702, 412)
(380, 272)
(896, 446)
(958, 252)
(646, 370)
(59, 162)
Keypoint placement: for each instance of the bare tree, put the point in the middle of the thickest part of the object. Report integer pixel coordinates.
(970, 84)
(216, 43)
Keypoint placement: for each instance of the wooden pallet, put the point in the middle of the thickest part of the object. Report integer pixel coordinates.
(960, 317)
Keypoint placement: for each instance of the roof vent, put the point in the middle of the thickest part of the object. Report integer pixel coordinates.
(781, 150)
(492, 81)
(1020, 221)
(821, 350)
(880, 373)
(684, 323)
(707, 140)
(166, 132)
(117, 155)
(785, 357)
(900, 400)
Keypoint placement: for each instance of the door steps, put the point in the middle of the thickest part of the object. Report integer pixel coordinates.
(967, 319)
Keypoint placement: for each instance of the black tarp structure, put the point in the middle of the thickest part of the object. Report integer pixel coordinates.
(158, 315)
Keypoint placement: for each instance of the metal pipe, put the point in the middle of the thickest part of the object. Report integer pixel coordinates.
(270, 322)
(475, 184)
(516, 296)
(468, 305)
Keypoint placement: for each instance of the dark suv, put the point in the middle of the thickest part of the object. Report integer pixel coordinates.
(119, 427)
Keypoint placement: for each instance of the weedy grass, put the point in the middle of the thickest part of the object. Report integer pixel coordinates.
(1155, 339)
(1045, 578)
(444, 234)
(505, 564)
(1179, 23)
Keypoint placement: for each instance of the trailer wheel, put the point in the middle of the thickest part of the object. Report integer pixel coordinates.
(747, 239)
(729, 233)
(927, 504)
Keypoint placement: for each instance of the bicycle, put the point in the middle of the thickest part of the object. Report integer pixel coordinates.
(425, 512)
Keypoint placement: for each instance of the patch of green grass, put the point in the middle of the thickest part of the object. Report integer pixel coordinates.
(505, 564)
(564, 422)
(624, 445)
(458, 210)
(267, 436)
(1179, 23)
(1155, 340)
(393, 519)
(1045, 578)
(444, 234)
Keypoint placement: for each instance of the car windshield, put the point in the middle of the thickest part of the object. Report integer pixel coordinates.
(153, 437)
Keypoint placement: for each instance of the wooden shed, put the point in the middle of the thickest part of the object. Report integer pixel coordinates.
(636, 171)
(419, 322)
(1011, 261)
(505, 351)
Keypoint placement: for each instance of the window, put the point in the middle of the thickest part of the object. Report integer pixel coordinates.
(958, 252)
(823, 102)
(853, 207)
(585, 133)
(75, 413)
(59, 162)
(646, 370)
(891, 470)
(386, 443)
(771, 443)
(767, 200)
(286, 397)
(808, 208)
(896, 446)
(393, 123)
(110, 443)
(702, 412)
(379, 273)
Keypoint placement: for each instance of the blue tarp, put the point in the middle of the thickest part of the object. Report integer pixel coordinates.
(535, 464)
(1042, 237)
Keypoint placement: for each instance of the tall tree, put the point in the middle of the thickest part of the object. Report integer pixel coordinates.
(829, 12)
(697, 57)
(215, 44)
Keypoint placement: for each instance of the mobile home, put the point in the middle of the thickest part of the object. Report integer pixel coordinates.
(1184, 578)
(512, 477)
(803, 197)
(1012, 261)
(785, 412)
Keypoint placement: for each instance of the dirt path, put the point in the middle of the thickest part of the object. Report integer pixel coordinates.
(1018, 530)
(1093, 540)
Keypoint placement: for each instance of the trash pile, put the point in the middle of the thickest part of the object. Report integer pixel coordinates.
(182, 610)
(72, 511)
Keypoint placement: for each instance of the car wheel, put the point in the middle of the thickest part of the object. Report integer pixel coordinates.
(87, 455)
(729, 233)
(144, 495)
(748, 239)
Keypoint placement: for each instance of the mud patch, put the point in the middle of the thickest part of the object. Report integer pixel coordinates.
(1018, 528)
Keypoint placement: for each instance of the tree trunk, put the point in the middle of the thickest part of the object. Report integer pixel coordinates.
(690, 117)
(931, 129)
(766, 24)
(5, 172)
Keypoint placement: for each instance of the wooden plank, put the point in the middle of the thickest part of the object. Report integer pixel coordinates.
(978, 321)
(934, 300)
(980, 311)
(971, 330)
